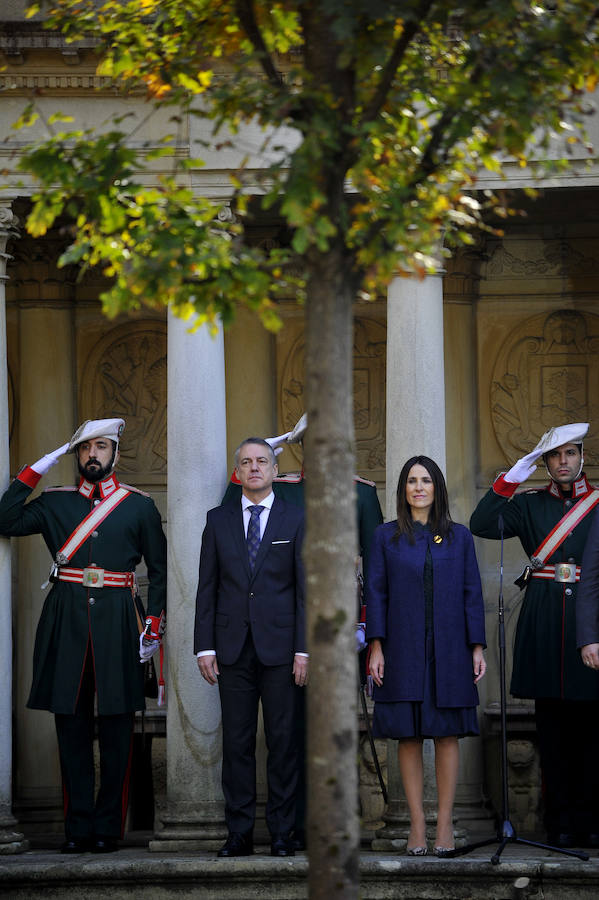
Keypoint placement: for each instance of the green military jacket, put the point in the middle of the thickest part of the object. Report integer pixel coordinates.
(547, 662)
(75, 618)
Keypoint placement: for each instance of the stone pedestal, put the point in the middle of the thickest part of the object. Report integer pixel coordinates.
(194, 814)
(11, 841)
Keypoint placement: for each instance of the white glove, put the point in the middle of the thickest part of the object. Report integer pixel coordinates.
(298, 431)
(360, 636)
(277, 442)
(524, 468)
(147, 649)
(44, 464)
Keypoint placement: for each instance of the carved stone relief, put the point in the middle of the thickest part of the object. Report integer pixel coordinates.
(125, 375)
(540, 258)
(370, 337)
(546, 374)
(34, 274)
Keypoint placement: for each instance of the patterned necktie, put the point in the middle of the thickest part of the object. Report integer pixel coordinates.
(253, 536)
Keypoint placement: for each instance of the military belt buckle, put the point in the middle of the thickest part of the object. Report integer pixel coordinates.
(93, 577)
(565, 573)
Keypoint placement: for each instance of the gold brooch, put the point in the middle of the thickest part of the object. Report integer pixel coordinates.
(438, 539)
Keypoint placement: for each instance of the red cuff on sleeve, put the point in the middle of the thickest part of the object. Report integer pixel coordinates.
(29, 476)
(504, 488)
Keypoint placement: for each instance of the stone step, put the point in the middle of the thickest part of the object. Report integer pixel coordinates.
(134, 873)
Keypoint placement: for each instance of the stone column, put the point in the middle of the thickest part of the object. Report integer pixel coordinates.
(415, 375)
(416, 407)
(11, 841)
(470, 808)
(415, 424)
(45, 422)
(197, 474)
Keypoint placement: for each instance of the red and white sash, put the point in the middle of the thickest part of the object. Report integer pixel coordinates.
(89, 524)
(564, 527)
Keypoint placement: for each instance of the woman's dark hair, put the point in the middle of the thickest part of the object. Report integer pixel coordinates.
(439, 519)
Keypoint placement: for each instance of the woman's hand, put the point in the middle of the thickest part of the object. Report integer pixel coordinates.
(377, 662)
(479, 664)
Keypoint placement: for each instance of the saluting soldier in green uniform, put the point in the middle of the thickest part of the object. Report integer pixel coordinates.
(547, 665)
(88, 644)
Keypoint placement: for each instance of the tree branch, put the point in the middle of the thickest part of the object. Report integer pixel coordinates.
(245, 13)
(373, 109)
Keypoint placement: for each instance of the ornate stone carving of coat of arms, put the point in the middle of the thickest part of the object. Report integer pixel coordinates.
(547, 374)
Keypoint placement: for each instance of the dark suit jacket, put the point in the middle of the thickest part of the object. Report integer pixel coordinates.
(269, 601)
(587, 597)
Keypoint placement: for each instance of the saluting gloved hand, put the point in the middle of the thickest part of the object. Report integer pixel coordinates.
(44, 464)
(524, 468)
(277, 442)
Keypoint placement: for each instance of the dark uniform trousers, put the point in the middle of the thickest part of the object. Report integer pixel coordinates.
(569, 767)
(241, 687)
(85, 815)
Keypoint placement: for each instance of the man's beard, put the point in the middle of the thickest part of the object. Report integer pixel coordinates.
(97, 471)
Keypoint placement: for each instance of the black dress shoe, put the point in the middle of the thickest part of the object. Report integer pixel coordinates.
(237, 844)
(281, 845)
(297, 839)
(75, 845)
(104, 845)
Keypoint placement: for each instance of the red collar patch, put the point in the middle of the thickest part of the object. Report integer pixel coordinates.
(579, 488)
(106, 486)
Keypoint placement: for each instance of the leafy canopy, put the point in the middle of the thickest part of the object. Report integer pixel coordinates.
(395, 107)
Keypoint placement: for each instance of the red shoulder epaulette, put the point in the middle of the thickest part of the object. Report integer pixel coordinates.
(135, 490)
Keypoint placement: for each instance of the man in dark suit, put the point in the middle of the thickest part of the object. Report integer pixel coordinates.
(249, 638)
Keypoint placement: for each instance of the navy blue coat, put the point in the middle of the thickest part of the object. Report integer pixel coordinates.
(395, 614)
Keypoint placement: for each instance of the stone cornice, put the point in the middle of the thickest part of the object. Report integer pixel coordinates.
(17, 39)
(55, 81)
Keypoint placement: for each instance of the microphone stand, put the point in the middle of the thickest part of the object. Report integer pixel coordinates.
(375, 756)
(506, 833)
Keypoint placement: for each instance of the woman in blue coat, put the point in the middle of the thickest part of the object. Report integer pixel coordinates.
(426, 629)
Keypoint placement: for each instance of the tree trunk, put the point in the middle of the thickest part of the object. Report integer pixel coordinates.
(330, 556)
